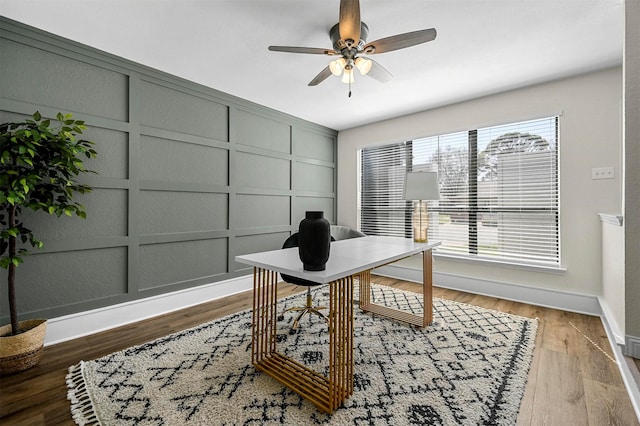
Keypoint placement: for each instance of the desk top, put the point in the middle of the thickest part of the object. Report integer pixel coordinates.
(346, 257)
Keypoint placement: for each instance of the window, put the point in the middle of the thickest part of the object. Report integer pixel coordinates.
(498, 191)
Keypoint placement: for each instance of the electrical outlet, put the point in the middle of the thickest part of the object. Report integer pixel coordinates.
(602, 173)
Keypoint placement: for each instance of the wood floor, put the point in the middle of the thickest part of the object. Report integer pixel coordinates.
(573, 378)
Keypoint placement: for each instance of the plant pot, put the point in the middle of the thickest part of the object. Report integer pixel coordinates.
(22, 351)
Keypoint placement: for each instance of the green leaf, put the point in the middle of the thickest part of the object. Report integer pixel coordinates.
(37, 116)
(60, 117)
(4, 262)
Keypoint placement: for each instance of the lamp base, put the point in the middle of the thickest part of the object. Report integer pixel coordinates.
(420, 222)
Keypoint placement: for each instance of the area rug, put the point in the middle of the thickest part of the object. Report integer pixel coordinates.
(468, 367)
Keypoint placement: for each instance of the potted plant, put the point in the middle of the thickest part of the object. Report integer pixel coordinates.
(39, 164)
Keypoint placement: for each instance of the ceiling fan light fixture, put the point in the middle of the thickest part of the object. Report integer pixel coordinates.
(347, 76)
(364, 65)
(337, 66)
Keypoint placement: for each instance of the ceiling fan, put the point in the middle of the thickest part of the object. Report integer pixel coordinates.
(349, 38)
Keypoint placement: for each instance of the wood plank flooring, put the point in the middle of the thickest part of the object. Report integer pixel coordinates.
(573, 378)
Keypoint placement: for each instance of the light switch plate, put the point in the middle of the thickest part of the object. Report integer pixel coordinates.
(602, 173)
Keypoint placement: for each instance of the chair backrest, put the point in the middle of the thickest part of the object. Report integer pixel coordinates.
(293, 241)
(340, 232)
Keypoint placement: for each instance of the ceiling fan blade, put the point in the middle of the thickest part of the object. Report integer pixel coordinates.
(311, 50)
(379, 72)
(322, 76)
(349, 22)
(399, 41)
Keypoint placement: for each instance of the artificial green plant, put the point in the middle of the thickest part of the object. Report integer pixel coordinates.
(39, 164)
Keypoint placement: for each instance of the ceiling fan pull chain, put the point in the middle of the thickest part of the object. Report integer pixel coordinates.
(349, 88)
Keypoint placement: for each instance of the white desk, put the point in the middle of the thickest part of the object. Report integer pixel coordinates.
(348, 259)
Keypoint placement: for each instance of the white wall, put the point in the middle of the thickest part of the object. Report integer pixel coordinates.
(590, 136)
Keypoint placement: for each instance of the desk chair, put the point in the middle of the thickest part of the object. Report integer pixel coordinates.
(340, 232)
(308, 308)
(337, 233)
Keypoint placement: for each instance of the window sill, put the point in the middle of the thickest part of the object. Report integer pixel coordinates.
(501, 264)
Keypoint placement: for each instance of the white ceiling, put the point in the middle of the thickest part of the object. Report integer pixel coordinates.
(482, 47)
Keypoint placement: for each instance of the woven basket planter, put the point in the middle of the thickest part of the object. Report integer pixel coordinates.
(22, 351)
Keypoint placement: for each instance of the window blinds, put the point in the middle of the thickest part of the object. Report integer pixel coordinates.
(498, 191)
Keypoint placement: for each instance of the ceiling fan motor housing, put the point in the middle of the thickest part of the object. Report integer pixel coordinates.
(340, 45)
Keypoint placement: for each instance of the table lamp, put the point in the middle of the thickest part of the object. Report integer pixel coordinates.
(420, 186)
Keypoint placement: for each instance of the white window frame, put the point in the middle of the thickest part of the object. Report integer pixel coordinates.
(534, 251)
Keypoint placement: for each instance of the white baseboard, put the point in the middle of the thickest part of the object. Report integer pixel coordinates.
(611, 322)
(84, 323)
(549, 298)
(619, 351)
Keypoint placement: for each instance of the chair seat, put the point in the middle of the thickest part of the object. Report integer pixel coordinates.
(337, 233)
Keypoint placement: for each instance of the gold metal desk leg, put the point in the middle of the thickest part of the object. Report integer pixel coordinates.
(427, 294)
(327, 393)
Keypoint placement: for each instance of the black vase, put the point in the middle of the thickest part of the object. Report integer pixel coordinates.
(314, 241)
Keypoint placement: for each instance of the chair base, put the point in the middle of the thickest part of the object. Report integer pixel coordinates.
(308, 309)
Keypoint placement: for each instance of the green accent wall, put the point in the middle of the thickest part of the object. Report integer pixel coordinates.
(189, 177)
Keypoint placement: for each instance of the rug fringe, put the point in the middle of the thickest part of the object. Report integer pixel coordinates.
(82, 408)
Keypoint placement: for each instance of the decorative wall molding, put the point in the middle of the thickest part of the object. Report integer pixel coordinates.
(186, 175)
(72, 326)
(613, 219)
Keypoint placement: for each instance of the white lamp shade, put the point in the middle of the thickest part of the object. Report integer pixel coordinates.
(421, 186)
(347, 77)
(337, 66)
(364, 65)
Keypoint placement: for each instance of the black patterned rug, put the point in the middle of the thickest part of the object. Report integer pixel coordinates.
(468, 367)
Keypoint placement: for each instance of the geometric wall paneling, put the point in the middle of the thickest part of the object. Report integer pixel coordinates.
(255, 211)
(314, 177)
(188, 177)
(182, 261)
(177, 161)
(106, 217)
(262, 132)
(303, 204)
(166, 108)
(246, 244)
(261, 171)
(168, 212)
(113, 149)
(71, 277)
(39, 77)
(313, 144)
